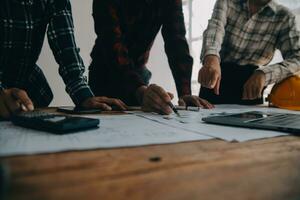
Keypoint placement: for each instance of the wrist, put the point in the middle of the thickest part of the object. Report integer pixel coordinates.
(84, 102)
(184, 95)
(82, 96)
(211, 60)
(260, 74)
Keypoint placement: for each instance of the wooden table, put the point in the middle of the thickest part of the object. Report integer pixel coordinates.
(263, 169)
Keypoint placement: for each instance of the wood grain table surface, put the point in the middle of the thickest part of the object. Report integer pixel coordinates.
(214, 169)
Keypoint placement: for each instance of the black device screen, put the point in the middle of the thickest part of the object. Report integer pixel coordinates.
(251, 115)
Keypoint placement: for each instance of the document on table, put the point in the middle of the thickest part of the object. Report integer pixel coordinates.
(192, 121)
(114, 132)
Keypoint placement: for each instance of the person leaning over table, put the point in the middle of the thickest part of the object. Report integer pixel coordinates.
(239, 42)
(126, 30)
(23, 25)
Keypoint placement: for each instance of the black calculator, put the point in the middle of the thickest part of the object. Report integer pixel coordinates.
(54, 123)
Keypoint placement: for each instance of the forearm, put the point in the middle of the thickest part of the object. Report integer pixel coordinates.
(62, 42)
(77, 88)
(183, 87)
(182, 73)
(289, 45)
(177, 49)
(214, 34)
(72, 71)
(212, 41)
(279, 71)
(181, 64)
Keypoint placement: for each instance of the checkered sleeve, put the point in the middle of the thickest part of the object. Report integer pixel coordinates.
(214, 34)
(107, 16)
(62, 42)
(289, 45)
(176, 47)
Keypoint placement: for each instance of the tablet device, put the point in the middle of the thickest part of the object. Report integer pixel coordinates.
(283, 122)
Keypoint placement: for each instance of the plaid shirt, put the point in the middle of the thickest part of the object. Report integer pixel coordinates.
(126, 30)
(236, 36)
(23, 26)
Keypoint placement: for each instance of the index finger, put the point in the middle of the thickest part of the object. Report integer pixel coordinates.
(161, 93)
(115, 102)
(195, 102)
(213, 82)
(171, 95)
(217, 86)
(23, 98)
(246, 93)
(206, 104)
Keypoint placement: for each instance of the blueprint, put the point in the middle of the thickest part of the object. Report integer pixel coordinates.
(115, 131)
(192, 121)
(133, 129)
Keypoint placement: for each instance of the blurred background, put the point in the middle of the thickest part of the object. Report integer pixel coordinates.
(197, 13)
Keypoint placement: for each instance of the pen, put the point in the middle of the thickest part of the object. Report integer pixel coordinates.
(192, 108)
(188, 108)
(174, 109)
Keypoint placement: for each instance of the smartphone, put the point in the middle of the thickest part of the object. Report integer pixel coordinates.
(78, 110)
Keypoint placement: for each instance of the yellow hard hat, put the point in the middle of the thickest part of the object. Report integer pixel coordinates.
(286, 94)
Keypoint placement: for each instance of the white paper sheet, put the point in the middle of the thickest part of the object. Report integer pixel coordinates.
(114, 132)
(192, 121)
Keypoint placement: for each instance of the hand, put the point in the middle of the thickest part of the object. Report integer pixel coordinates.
(103, 103)
(189, 100)
(154, 98)
(14, 100)
(210, 74)
(254, 86)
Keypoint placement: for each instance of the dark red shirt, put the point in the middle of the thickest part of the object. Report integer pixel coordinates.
(126, 30)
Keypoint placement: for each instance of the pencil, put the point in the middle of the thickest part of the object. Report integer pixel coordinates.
(174, 109)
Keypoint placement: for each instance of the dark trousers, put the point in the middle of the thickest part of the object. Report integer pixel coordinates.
(232, 85)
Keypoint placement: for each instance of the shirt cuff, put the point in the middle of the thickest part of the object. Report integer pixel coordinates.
(134, 81)
(185, 89)
(81, 95)
(207, 52)
(268, 71)
(136, 86)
